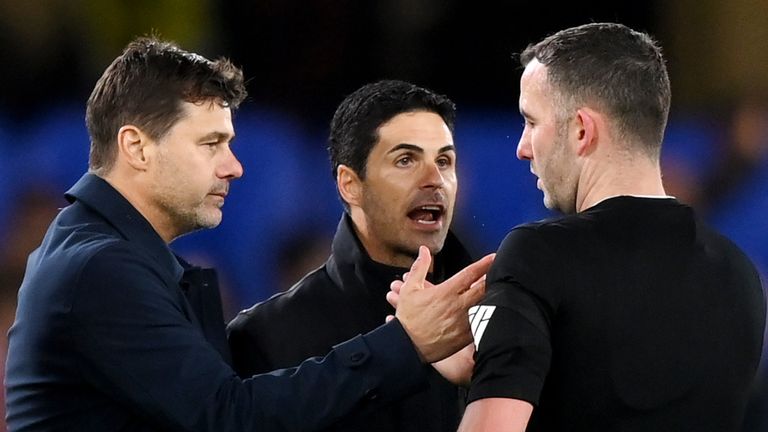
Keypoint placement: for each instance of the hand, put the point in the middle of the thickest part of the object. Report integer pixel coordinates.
(457, 368)
(436, 316)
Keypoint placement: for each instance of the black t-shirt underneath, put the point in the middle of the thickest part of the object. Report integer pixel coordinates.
(630, 316)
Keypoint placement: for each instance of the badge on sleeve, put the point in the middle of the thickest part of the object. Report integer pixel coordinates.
(478, 319)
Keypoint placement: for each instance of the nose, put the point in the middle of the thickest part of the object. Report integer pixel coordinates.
(433, 176)
(524, 147)
(230, 168)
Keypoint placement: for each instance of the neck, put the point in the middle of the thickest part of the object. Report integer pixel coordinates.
(618, 174)
(135, 193)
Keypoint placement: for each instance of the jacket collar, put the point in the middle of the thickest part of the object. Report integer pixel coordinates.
(351, 268)
(98, 195)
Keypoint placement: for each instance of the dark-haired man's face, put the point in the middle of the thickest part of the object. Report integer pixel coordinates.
(192, 171)
(409, 190)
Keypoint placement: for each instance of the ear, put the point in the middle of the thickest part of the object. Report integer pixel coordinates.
(133, 147)
(586, 130)
(349, 185)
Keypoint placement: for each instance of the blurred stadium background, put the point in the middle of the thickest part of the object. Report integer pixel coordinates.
(303, 57)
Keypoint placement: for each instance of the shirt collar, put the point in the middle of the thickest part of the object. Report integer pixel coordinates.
(97, 194)
(350, 260)
(635, 196)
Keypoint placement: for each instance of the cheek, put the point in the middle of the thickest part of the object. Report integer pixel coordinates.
(394, 187)
(451, 185)
(539, 145)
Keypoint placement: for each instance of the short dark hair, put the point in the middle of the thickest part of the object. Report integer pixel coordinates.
(355, 125)
(146, 85)
(620, 70)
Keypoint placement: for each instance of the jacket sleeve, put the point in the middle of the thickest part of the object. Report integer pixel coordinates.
(248, 358)
(139, 348)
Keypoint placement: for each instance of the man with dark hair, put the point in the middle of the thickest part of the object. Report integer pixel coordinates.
(628, 313)
(394, 161)
(114, 332)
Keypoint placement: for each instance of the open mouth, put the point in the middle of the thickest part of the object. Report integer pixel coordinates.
(427, 214)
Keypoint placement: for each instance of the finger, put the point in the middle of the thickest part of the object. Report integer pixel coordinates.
(405, 276)
(419, 269)
(463, 280)
(474, 294)
(389, 318)
(479, 281)
(393, 298)
(396, 285)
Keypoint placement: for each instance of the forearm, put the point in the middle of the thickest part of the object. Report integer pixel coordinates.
(496, 415)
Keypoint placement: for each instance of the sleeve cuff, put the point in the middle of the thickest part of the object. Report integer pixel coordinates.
(391, 356)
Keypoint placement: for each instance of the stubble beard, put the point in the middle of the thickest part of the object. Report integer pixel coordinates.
(386, 229)
(560, 186)
(175, 201)
(399, 244)
(186, 217)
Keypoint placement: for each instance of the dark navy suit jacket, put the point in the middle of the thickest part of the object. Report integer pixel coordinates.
(105, 339)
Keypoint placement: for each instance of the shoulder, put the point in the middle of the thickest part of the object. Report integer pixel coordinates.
(552, 229)
(68, 250)
(78, 241)
(293, 308)
(287, 328)
(529, 260)
(538, 243)
(121, 262)
(721, 256)
(58, 272)
(120, 274)
(717, 243)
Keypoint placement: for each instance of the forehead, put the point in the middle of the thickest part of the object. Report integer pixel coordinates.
(203, 117)
(534, 78)
(421, 128)
(536, 94)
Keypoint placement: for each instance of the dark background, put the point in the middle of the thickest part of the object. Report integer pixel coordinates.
(302, 57)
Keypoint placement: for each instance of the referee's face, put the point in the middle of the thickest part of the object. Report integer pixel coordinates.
(408, 194)
(544, 141)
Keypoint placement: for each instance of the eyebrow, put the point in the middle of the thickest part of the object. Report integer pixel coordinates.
(527, 116)
(417, 149)
(217, 136)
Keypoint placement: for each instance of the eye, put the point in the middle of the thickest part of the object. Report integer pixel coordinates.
(404, 161)
(444, 162)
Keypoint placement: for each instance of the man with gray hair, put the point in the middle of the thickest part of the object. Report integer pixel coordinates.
(115, 333)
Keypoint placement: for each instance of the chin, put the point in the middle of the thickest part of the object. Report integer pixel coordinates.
(410, 246)
(435, 246)
(550, 203)
(210, 221)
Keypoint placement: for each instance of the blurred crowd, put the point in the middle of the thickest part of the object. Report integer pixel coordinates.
(303, 57)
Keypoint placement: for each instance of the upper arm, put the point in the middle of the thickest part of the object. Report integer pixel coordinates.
(496, 415)
(512, 327)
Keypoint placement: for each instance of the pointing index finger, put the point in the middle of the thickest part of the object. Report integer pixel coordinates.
(471, 273)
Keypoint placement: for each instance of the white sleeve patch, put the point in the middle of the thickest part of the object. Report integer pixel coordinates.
(478, 320)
